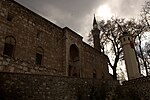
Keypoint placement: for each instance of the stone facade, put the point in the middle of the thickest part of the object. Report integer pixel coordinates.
(58, 51)
(42, 61)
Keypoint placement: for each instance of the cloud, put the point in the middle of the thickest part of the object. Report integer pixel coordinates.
(78, 14)
(126, 8)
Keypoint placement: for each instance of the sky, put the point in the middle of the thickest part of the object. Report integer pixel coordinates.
(78, 14)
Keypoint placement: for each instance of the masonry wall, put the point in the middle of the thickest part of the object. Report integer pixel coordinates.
(72, 38)
(95, 61)
(45, 87)
(24, 27)
(90, 60)
(137, 89)
(31, 31)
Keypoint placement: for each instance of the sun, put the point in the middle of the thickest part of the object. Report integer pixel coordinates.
(104, 11)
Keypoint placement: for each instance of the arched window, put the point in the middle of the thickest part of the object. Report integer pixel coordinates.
(73, 69)
(39, 56)
(9, 46)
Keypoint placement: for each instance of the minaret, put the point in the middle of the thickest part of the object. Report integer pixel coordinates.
(96, 33)
(130, 56)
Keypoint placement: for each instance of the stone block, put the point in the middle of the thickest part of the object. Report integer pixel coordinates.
(2, 68)
(25, 69)
(24, 64)
(1, 58)
(32, 71)
(5, 63)
(12, 69)
(41, 69)
(8, 59)
(36, 68)
(20, 67)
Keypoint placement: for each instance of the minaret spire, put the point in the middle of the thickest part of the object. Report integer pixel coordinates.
(94, 21)
(96, 33)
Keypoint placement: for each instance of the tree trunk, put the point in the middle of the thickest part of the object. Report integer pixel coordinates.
(115, 66)
(114, 73)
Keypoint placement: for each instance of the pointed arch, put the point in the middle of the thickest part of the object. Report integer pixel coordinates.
(74, 53)
(73, 68)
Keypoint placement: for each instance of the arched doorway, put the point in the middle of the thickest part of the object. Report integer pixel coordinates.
(73, 69)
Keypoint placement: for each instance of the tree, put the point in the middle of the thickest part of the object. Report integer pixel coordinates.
(110, 32)
(145, 14)
(143, 51)
(143, 54)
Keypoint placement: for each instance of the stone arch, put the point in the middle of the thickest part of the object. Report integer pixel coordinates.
(73, 69)
(74, 53)
(9, 46)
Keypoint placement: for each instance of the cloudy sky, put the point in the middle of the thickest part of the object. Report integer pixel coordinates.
(78, 14)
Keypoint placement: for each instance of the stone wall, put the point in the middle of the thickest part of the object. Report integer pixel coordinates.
(72, 38)
(45, 87)
(137, 89)
(90, 60)
(95, 61)
(30, 32)
(19, 66)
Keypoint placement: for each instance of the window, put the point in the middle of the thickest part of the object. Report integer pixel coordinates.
(38, 35)
(128, 38)
(10, 17)
(39, 56)
(94, 74)
(9, 46)
(124, 39)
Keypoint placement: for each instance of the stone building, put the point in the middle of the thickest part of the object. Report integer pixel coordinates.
(31, 44)
(42, 61)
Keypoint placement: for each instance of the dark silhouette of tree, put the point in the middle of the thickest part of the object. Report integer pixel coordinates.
(110, 31)
(143, 51)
